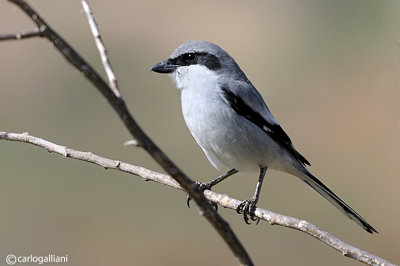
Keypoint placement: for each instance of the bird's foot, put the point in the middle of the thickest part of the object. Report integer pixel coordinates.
(202, 187)
(248, 208)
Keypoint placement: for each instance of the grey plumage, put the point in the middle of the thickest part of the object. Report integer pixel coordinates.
(230, 121)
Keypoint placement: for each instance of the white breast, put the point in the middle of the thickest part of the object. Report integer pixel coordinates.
(227, 139)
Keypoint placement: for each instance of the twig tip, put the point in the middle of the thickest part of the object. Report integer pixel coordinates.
(132, 142)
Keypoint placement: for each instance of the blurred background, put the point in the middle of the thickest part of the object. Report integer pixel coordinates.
(327, 69)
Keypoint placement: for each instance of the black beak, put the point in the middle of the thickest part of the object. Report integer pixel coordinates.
(164, 67)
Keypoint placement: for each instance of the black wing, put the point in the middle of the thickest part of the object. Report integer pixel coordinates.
(273, 130)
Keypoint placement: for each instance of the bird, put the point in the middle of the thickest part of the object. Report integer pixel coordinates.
(232, 124)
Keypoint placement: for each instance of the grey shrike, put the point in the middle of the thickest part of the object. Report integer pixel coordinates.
(232, 124)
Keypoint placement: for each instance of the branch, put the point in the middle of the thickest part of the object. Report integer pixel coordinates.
(222, 199)
(220, 225)
(21, 35)
(102, 49)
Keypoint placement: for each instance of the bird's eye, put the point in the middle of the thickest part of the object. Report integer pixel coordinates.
(189, 57)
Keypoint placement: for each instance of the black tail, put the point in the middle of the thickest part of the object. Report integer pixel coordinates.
(324, 191)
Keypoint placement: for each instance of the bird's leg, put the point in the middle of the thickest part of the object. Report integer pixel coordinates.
(248, 207)
(209, 185)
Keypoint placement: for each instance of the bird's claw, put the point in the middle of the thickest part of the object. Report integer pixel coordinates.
(248, 208)
(202, 187)
(188, 199)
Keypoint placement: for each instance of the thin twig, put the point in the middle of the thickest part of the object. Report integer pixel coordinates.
(20, 35)
(220, 225)
(222, 199)
(102, 49)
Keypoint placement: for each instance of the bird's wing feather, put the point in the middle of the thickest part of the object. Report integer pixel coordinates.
(246, 101)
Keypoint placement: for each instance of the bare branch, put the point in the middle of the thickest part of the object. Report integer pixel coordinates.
(220, 225)
(102, 49)
(21, 35)
(222, 199)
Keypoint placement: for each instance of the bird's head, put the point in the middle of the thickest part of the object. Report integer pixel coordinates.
(196, 61)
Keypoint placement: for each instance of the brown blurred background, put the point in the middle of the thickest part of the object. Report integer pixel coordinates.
(327, 70)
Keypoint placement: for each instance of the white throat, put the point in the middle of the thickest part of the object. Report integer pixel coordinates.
(194, 77)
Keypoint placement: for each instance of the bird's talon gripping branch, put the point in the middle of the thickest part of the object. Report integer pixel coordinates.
(248, 208)
(202, 187)
(208, 185)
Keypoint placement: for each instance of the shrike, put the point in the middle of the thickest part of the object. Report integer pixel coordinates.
(232, 124)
